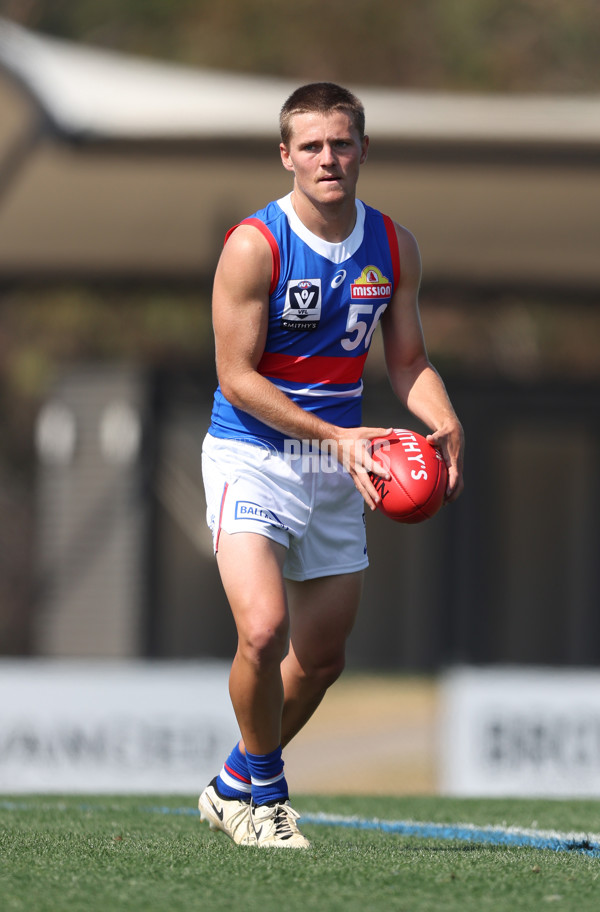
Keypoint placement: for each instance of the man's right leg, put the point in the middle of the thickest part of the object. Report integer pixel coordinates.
(251, 571)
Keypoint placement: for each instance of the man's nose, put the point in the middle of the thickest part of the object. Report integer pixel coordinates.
(327, 156)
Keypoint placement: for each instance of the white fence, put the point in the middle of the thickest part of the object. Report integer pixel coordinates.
(69, 726)
(525, 732)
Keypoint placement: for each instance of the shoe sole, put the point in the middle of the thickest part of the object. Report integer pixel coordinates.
(282, 845)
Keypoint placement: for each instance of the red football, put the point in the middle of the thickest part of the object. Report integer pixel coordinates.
(418, 480)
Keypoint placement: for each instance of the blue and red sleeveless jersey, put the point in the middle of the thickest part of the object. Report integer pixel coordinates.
(325, 301)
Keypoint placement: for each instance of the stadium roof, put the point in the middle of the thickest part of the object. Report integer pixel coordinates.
(86, 186)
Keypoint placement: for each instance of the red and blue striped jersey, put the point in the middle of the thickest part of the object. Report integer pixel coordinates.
(325, 301)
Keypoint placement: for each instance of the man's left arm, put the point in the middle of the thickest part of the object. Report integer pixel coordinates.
(414, 379)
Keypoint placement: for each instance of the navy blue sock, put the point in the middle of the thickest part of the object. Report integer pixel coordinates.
(234, 779)
(267, 777)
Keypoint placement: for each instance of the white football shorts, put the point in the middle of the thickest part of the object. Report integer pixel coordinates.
(308, 504)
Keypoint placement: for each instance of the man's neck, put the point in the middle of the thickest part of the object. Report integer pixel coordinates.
(330, 221)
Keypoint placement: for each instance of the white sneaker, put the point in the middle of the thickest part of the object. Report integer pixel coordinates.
(228, 815)
(275, 826)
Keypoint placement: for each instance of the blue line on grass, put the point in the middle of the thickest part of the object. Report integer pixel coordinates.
(463, 832)
(184, 811)
(457, 832)
(514, 837)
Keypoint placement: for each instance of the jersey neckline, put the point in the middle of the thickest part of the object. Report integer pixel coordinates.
(336, 252)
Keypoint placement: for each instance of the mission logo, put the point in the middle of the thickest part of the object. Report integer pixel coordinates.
(371, 284)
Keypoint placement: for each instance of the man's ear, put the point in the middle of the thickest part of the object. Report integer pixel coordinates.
(285, 157)
(365, 150)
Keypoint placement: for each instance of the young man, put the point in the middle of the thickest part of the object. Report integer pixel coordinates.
(299, 289)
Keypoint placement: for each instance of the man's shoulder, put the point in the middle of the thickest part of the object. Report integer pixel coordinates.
(269, 214)
(264, 222)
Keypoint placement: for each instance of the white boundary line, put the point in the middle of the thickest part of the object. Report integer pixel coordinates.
(588, 843)
(510, 836)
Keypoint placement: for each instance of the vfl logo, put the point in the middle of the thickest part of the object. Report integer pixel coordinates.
(302, 310)
(371, 284)
(245, 509)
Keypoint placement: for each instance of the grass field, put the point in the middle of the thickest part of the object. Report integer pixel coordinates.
(150, 853)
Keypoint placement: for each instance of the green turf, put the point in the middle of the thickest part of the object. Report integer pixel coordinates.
(100, 854)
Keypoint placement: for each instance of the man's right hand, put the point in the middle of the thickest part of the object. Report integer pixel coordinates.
(354, 453)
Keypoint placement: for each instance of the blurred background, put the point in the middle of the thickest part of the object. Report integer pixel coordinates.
(132, 135)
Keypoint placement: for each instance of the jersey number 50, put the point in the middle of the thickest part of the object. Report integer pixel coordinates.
(360, 329)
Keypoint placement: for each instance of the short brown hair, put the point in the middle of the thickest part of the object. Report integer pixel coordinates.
(321, 98)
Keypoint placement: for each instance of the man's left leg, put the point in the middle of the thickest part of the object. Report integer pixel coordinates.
(322, 615)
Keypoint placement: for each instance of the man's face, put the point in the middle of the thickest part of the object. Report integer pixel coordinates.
(325, 153)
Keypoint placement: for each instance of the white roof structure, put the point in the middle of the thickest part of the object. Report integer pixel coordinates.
(86, 187)
(98, 93)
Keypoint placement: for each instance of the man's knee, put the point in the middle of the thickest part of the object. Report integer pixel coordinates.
(333, 669)
(324, 672)
(263, 645)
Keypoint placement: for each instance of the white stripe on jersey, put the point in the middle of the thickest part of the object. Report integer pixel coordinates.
(320, 391)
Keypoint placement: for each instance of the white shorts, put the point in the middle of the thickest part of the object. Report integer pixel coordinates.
(310, 506)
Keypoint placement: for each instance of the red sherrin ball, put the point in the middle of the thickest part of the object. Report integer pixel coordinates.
(416, 489)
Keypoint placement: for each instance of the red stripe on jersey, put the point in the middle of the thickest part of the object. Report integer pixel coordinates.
(394, 251)
(276, 261)
(314, 369)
